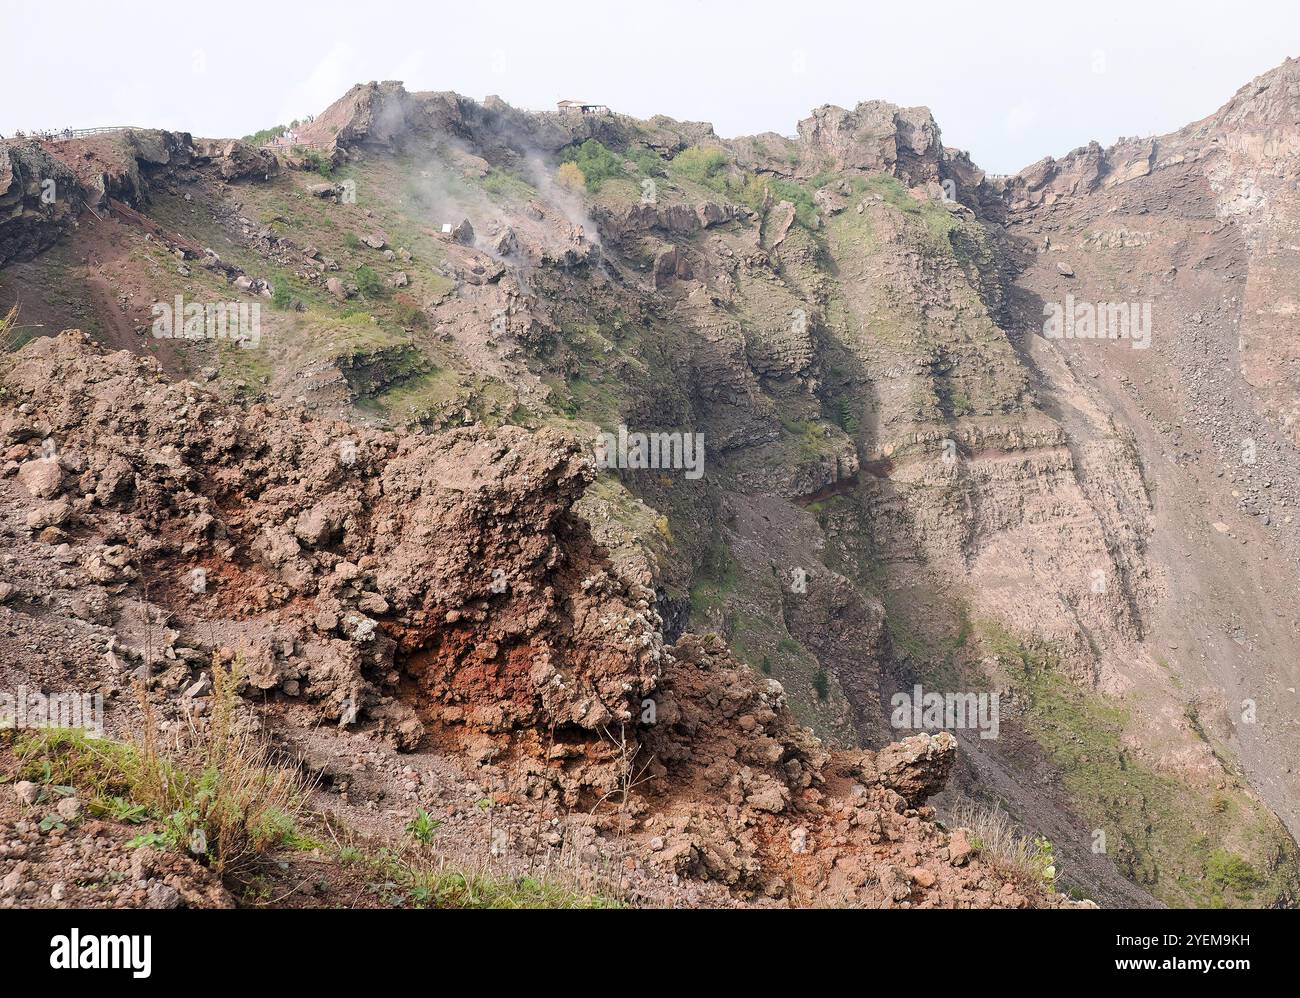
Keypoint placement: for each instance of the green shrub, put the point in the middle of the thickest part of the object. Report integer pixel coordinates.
(648, 163)
(265, 135)
(369, 283)
(702, 164)
(570, 177)
(315, 161)
(1228, 871)
(822, 684)
(596, 162)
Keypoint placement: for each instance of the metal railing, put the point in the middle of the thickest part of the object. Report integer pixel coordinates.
(62, 134)
(79, 133)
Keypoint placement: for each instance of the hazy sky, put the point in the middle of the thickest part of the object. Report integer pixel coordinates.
(1011, 82)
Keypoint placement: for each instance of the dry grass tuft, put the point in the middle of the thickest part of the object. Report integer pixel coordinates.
(1003, 843)
(9, 334)
(216, 791)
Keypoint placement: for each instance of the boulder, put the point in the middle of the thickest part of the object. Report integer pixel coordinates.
(49, 514)
(915, 768)
(42, 478)
(236, 160)
(960, 849)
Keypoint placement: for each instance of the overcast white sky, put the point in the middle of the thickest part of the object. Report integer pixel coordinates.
(1010, 81)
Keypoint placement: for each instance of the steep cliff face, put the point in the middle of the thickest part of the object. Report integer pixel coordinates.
(1197, 227)
(903, 479)
(32, 215)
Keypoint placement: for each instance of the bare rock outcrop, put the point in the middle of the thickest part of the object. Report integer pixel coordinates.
(236, 160)
(737, 791)
(330, 557)
(39, 200)
(875, 136)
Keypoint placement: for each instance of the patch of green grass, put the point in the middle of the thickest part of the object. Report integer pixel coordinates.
(812, 693)
(590, 395)
(805, 209)
(300, 842)
(438, 397)
(351, 336)
(997, 839)
(407, 312)
(413, 883)
(905, 638)
(12, 338)
(936, 221)
(504, 185)
(716, 577)
(250, 365)
(416, 398)
(711, 168)
(810, 436)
